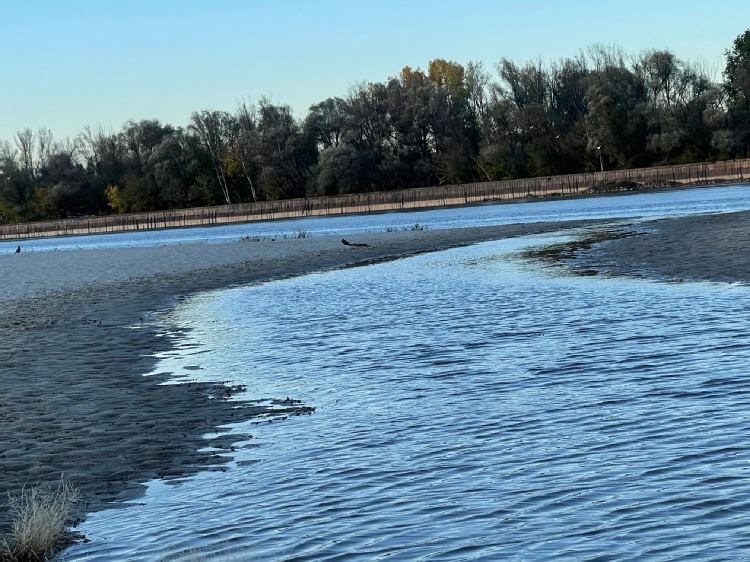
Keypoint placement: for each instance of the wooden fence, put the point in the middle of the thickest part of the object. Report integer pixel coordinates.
(426, 197)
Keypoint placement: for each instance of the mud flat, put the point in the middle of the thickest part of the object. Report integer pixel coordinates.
(714, 247)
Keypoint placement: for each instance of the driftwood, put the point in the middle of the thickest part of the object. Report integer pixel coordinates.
(347, 243)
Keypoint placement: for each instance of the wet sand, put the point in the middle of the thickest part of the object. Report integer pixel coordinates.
(75, 340)
(695, 248)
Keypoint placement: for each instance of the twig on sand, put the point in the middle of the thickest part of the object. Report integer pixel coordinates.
(347, 243)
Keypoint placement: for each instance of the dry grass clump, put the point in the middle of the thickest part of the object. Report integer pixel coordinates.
(41, 515)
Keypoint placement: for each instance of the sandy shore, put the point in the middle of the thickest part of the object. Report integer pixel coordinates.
(695, 248)
(73, 348)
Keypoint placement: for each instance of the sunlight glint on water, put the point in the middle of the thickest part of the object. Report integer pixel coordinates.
(469, 407)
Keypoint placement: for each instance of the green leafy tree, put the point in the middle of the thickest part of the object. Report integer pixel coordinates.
(67, 189)
(284, 154)
(737, 70)
(411, 106)
(737, 85)
(617, 121)
(457, 123)
(326, 122)
(370, 131)
(175, 168)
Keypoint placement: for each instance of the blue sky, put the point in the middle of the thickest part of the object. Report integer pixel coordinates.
(67, 64)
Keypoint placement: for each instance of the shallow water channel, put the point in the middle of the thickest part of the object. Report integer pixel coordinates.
(470, 405)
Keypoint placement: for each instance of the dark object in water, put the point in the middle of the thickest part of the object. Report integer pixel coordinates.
(18, 250)
(347, 243)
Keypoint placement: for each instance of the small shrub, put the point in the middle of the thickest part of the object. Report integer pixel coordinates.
(40, 517)
(415, 227)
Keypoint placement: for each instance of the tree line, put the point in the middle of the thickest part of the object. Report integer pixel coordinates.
(451, 123)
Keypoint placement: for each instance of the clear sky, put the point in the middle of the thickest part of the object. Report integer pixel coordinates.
(67, 64)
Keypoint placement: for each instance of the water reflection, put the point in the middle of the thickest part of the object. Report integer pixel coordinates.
(470, 406)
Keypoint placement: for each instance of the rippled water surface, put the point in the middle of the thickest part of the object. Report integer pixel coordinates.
(470, 406)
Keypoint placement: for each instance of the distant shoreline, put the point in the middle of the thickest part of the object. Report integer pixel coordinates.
(528, 189)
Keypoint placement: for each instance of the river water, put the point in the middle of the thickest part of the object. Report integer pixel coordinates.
(470, 405)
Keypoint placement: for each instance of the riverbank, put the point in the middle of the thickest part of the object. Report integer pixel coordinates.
(572, 185)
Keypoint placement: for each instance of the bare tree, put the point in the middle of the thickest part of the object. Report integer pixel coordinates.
(245, 140)
(213, 130)
(25, 143)
(45, 146)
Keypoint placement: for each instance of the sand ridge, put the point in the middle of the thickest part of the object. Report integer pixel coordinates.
(711, 247)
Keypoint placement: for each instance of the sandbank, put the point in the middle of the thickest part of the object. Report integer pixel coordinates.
(710, 247)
